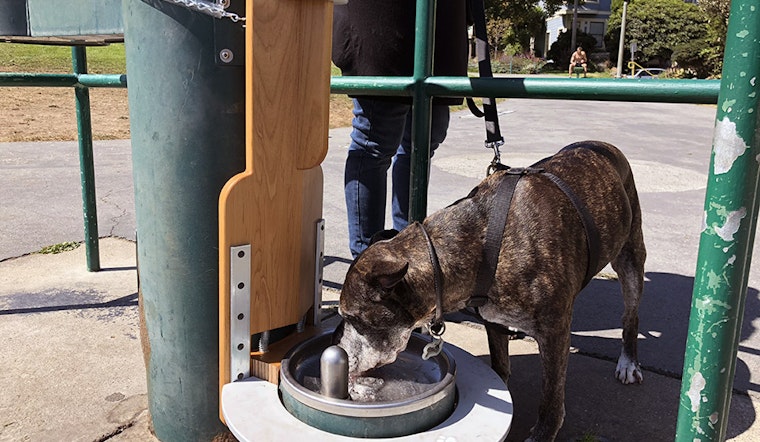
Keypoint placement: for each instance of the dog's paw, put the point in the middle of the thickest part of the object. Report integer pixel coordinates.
(628, 371)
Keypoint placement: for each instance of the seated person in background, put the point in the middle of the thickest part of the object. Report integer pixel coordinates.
(578, 58)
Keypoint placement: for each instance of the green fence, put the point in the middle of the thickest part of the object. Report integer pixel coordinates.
(81, 81)
(731, 203)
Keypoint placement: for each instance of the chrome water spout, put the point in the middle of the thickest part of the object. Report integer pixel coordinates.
(333, 367)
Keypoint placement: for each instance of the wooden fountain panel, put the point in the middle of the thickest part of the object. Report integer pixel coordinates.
(275, 203)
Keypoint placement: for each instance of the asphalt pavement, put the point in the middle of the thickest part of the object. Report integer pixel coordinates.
(72, 367)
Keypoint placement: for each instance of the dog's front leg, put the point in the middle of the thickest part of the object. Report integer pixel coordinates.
(553, 345)
(498, 347)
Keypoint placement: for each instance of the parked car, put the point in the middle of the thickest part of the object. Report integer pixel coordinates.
(648, 73)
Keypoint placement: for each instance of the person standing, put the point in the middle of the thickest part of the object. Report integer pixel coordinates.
(376, 38)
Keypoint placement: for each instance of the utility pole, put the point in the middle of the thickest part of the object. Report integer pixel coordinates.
(622, 40)
(575, 26)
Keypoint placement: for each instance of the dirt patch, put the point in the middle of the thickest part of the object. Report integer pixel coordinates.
(49, 113)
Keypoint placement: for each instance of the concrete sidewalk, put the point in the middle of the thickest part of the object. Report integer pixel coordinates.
(72, 366)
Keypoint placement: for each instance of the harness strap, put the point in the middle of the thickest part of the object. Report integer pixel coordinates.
(497, 224)
(592, 233)
(494, 234)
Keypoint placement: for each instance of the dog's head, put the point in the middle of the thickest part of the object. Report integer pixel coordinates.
(375, 306)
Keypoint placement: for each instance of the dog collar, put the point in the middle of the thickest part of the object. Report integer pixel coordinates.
(436, 326)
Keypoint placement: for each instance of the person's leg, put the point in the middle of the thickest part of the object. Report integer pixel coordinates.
(402, 162)
(377, 131)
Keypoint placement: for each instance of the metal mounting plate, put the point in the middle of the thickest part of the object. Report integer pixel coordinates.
(319, 271)
(240, 309)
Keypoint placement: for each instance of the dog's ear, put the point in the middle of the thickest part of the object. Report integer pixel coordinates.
(383, 235)
(389, 273)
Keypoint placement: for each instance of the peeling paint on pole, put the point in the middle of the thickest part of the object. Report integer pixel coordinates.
(730, 219)
(697, 385)
(732, 224)
(728, 146)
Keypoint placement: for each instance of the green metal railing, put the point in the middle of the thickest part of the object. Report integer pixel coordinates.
(422, 86)
(81, 81)
(731, 204)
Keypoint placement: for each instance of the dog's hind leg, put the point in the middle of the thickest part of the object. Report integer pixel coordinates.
(498, 347)
(629, 265)
(554, 347)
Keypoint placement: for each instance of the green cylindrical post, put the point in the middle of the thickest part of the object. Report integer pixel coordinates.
(725, 249)
(187, 117)
(421, 110)
(86, 162)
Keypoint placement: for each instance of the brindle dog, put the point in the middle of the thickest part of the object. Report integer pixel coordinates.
(543, 259)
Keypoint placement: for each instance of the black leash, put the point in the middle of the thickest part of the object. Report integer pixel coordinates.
(494, 140)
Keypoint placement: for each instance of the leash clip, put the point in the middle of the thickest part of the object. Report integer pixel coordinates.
(496, 161)
(434, 347)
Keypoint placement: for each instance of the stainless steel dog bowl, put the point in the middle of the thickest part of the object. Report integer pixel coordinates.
(416, 395)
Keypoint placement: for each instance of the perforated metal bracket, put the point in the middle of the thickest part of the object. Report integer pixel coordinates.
(319, 266)
(240, 310)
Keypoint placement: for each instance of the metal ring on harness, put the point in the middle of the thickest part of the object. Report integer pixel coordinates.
(437, 328)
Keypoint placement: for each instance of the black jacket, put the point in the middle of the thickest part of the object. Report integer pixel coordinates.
(376, 38)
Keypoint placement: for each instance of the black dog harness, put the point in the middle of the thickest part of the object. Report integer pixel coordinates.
(495, 232)
(498, 220)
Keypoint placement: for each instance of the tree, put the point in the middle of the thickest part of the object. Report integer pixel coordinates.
(514, 22)
(657, 27)
(691, 57)
(560, 51)
(717, 12)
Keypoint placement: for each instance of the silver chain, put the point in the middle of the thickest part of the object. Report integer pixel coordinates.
(215, 9)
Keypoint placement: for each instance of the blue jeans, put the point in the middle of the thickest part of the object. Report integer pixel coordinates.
(382, 130)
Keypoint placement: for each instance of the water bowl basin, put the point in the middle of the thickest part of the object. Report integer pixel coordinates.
(413, 396)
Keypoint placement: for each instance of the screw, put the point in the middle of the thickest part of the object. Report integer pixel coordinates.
(226, 55)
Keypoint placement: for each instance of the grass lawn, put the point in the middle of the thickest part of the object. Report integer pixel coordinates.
(17, 57)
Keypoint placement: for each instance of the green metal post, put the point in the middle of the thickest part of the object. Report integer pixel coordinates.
(86, 163)
(187, 119)
(725, 250)
(421, 109)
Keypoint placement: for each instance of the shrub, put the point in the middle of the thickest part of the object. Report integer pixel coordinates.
(693, 56)
(560, 50)
(504, 63)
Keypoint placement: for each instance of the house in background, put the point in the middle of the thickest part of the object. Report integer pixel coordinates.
(591, 18)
